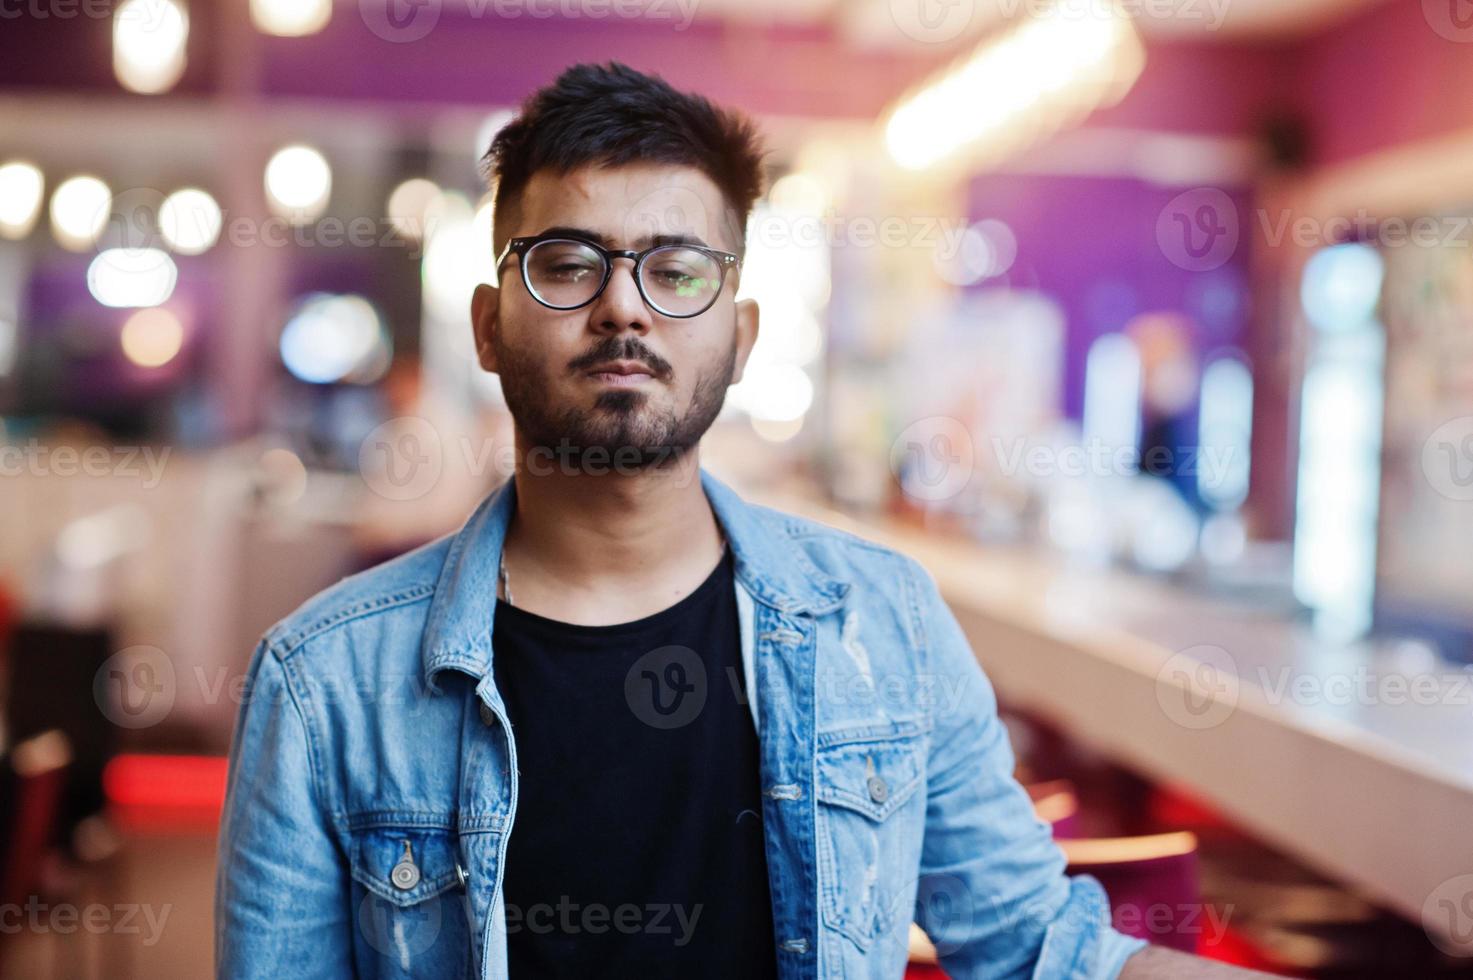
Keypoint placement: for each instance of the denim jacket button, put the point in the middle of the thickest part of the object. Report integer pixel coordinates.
(487, 715)
(879, 790)
(405, 874)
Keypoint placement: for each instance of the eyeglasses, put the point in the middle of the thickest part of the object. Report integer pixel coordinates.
(567, 273)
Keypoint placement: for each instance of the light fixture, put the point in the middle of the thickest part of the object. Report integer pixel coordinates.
(298, 183)
(79, 212)
(1052, 69)
(290, 18)
(149, 41)
(21, 190)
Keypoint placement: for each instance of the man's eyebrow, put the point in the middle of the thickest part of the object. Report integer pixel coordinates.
(568, 231)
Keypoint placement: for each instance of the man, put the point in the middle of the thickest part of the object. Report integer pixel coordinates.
(623, 723)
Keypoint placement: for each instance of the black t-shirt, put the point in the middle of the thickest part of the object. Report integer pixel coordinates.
(637, 846)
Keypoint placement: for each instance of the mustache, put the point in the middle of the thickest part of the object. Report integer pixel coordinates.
(613, 349)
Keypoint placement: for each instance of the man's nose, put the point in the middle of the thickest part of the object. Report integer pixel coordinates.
(620, 305)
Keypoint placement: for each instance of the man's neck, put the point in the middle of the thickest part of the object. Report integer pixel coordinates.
(599, 546)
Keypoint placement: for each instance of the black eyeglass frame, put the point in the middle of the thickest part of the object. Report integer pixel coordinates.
(520, 246)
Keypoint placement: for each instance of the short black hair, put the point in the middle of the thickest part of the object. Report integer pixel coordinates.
(611, 115)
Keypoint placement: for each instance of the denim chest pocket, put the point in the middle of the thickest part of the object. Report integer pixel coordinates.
(409, 911)
(869, 835)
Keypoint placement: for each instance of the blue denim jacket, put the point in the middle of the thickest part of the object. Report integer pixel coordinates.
(373, 776)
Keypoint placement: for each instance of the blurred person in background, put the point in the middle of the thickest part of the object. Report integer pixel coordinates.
(714, 739)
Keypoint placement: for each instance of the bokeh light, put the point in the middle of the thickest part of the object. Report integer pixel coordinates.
(79, 211)
(1341, 286)
(125, 277)
(22, 188)
(413, 205)
(149, 42)
(335, 338)
(152, 337)
(298, 183)
(190, 221)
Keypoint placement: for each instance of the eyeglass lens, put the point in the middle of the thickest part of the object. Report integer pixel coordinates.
(677, 280)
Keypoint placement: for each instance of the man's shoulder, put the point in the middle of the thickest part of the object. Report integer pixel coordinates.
(843, 554)
(398, 589)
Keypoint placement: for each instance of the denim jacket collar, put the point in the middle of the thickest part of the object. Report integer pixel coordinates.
(458, 632)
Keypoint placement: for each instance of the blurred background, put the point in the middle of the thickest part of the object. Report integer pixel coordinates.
(1147, 326)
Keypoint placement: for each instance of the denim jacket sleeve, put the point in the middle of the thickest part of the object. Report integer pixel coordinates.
(281, 892)
(993, 896)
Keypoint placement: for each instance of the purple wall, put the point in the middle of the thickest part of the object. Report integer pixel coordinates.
(1091, 244)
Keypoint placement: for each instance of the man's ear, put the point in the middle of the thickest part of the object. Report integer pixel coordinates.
(485, 321)
(746, 334)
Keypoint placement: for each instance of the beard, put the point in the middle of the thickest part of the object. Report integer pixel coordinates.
(623, 428)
